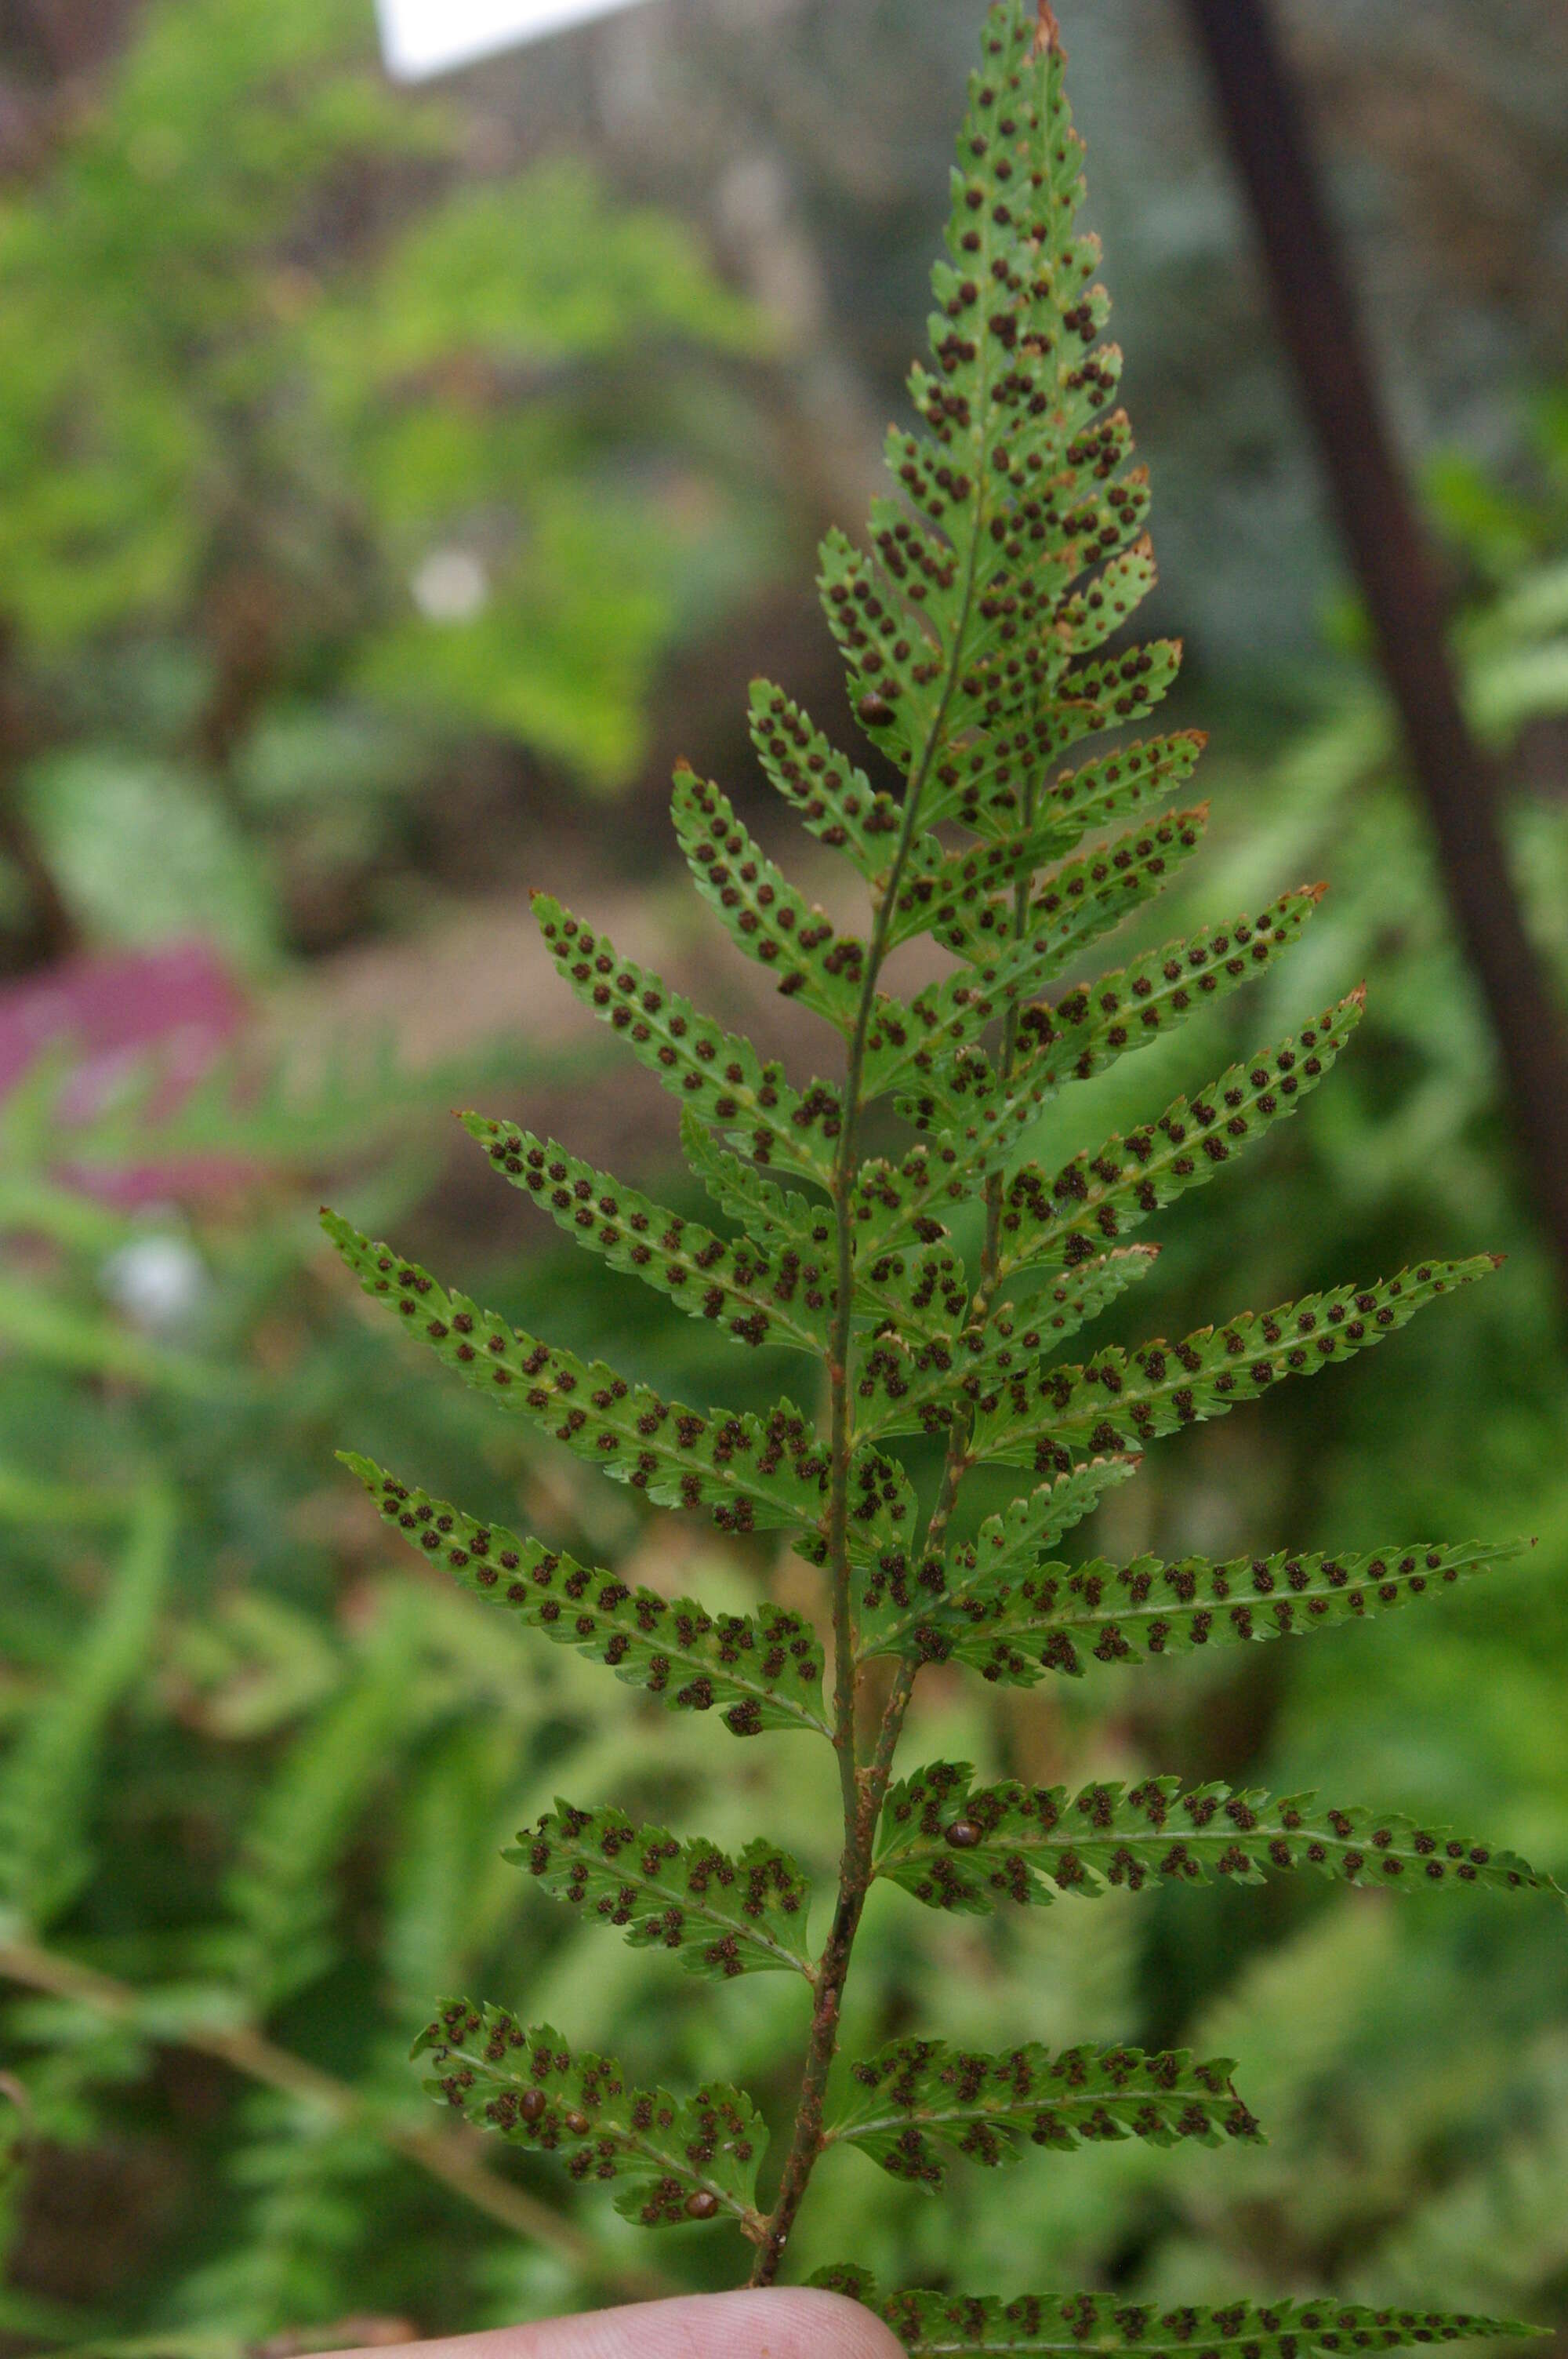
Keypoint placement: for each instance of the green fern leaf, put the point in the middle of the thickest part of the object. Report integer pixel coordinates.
(761, 909)
(1086, 897)
(919, 2100)
(905, 1614)
(922, 1295)
(1123, 1400)
(1055, 2326)
(914, 1041)
(717, 1074)
(755, 1473)
(1092, 1026)
(1134, 777)
(833, 798)
(282, 1892)
(922, 1387)
(756, 1673)
(757, 1294)
(1113, 692)
(1051, 1222)
(952, 895)
(772, 1216)
(905, 1202)
(1056, 1618)
(682, 2160)
(722, 1917)
(974, 624)
(959, 1847)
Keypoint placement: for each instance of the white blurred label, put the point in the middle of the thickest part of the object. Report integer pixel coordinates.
(427, 36)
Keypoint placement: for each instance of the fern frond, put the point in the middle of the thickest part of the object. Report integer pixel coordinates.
(756, 1672)
(958, 1846)
(281, 1894)
(1123, 1400)
(920, 2100)
(717, 1074)
(722, 1917)
(934, 1283)
(924, 1386)
(758, 1293)
(1050, 1222)
(760, 908)
(779, 1219)
(1056, 1618)
(1090, 1027)
(1087, 1030)
(956, 896)
(1089, 897)
(905, 1613)
(1055, 2326)
(682, 2160)
(753, 1473)
(1113, 692)
(833, 798)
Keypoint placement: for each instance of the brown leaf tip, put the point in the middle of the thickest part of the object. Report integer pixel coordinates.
(1048, 33)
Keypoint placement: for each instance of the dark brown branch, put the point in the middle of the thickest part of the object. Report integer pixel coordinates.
(1397, 570)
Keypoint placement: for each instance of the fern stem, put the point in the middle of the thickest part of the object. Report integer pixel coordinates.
(861, 1796)
(438, 2153)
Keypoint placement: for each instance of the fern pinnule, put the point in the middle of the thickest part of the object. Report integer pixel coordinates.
(934, 1284)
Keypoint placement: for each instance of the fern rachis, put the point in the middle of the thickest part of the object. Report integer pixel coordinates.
(974, 628)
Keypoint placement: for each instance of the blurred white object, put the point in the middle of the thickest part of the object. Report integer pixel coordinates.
(158, 1281)
(451, 586)
(427, 36)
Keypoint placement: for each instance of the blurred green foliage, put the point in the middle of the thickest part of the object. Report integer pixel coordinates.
(324, 452)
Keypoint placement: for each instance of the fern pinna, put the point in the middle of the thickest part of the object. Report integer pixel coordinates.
(974, 628)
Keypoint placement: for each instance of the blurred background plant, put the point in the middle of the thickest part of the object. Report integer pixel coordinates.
(383, 482)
